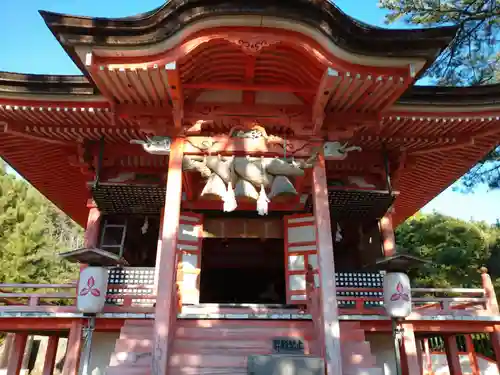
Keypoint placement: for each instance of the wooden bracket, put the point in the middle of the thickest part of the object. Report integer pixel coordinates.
(174, 88)
(323, 94)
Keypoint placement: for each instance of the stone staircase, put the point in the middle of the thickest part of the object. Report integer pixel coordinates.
(213, 347)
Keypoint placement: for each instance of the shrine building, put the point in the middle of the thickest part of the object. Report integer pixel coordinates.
(240, 168)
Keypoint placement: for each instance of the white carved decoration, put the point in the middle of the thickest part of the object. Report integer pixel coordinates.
(397, 294)
(156, 145)
(360, 181)
(92, 288)
(337, 151)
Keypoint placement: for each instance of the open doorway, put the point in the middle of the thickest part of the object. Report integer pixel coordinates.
(245, 270)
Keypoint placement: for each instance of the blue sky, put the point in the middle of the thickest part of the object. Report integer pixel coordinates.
(29, 47)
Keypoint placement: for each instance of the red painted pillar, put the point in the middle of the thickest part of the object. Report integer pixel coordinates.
(452, 357)
(165, 259)
(50, 356)
(409, 353)
(387, 234)
(327, 291)
(17, 354)
(74, 349)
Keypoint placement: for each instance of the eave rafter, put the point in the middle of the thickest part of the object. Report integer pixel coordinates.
(356, 95)
(323, 95)
(175, 91)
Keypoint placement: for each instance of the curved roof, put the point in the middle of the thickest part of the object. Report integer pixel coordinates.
(162, 23)
(174, 15)
(51, 117)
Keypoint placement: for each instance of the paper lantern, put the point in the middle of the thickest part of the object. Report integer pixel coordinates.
(397, 294)
(92, 289)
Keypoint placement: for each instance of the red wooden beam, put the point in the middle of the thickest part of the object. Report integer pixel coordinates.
(323, 94)
(200, 204)
(247, 87)
(249, 96)
(175, 90)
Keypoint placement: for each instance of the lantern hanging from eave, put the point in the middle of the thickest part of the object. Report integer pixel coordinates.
(92, 289)
(397, 294)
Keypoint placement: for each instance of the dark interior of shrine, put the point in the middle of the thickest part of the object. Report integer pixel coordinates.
(240, 270)
(243, 270)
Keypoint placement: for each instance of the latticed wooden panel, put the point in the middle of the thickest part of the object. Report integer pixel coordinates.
(129, 199)
(131, 281)
(359, 280)
(356, 204)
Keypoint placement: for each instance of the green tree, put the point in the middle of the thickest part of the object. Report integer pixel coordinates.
(32, 232)
(456, 249)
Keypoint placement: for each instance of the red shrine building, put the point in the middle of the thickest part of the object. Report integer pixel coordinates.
(239, 168)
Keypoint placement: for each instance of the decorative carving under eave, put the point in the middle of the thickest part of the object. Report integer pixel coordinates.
(338, 151)
(251, 45)
(156, 145)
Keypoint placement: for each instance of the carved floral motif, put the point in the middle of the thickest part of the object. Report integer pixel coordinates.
(90, 288)
(252, 45)
(400, 294)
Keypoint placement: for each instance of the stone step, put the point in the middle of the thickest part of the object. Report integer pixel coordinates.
(240, 333)
(202, 360)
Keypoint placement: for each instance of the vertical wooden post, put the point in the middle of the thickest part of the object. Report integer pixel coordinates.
(495, 343)
(492, 307)
(471, 351)
(74, 349)
(409, 352)
(91, 236)
(450, 343)
(50, 355)
(489, 291)
(17, 354)
(387, 234)
(165, 259)
(7, 349)
(428, 358)
(328, 296)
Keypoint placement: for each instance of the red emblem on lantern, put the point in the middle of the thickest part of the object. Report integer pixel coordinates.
(400, 294)
(90, 288)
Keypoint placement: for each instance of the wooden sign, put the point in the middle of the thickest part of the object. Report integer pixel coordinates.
(288, 345)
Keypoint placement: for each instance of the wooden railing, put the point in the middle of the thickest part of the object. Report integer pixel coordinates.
(135, 297)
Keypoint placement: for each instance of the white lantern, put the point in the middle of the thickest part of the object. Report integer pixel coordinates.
(92, 289)
(397, 294)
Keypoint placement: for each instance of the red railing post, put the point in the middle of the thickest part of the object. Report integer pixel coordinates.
(489, 292)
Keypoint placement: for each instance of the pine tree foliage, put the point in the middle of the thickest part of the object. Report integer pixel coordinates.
(473, 57)
(32, 232)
